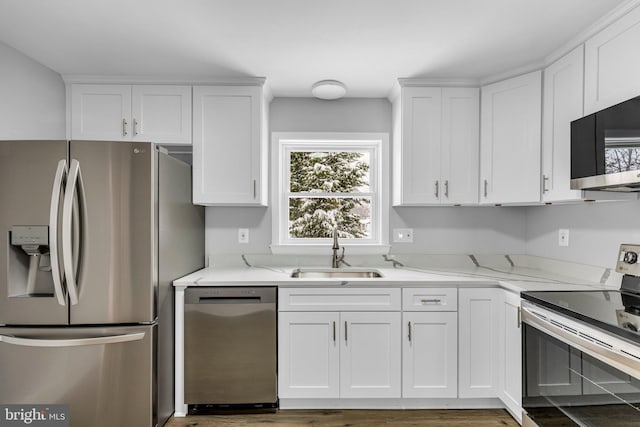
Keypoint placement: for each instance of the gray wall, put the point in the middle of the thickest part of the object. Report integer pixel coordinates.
(596, 230)
(436, 230)
(32, 98)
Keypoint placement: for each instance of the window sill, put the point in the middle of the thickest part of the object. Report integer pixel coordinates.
(350, 249)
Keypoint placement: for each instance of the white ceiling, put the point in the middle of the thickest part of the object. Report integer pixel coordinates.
(367, 44)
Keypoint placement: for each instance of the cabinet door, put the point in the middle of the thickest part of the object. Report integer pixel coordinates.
(101, 112)
(563, 82)
(510, 360)
(227, 149)
(460, 145)
(429, 357)
(370, 354)
(162, 113)
(612, 64)
(478, 342)
(419, 147)
(510, 140)
(308, 355)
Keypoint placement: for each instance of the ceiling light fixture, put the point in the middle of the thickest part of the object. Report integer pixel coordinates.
(328, 89)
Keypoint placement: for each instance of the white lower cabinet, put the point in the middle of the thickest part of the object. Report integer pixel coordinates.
(410, 343)
(370, 354)
(478, 342)
(429, 354)
(308, 355)
(339, 342)
(332, 354)
(510, 358)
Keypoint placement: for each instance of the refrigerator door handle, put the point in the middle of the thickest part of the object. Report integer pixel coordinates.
(58, 276)
(70, 235)
(73, 342)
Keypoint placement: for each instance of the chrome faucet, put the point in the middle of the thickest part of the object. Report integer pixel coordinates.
(336, 259)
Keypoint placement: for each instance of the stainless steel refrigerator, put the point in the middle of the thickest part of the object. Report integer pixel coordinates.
(92, 233)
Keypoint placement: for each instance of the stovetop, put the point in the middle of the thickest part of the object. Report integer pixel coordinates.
(615, 311)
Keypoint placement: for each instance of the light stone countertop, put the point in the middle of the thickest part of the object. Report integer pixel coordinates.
(515, 273)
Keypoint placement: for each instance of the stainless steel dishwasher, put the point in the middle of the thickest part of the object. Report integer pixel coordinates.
(230, 347)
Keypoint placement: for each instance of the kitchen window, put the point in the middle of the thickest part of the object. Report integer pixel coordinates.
(322, 180)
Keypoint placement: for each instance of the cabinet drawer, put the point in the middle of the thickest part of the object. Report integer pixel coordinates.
(430, 299)
(332, 299)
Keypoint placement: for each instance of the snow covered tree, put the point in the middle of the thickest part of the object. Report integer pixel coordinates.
(315, 176)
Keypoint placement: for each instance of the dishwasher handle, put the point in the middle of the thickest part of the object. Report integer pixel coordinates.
(230, 295)
(229, 300)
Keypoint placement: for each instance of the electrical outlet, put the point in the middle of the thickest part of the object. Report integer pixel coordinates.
(403, 235)
(243, 235)
(563, 237)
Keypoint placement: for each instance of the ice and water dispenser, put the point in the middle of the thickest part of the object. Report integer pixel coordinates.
(29, 262)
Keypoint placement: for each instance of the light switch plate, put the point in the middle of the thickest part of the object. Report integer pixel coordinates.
(403, 235)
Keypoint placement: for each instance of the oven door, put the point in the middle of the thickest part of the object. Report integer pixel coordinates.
(574, 374)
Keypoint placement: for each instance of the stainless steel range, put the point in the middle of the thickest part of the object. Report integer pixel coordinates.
(581, 353)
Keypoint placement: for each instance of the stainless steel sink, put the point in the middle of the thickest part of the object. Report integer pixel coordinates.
(335, 273)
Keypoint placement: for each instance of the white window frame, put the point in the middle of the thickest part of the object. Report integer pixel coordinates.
(282, 143)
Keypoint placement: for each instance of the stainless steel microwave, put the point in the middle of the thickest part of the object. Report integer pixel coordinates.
(605, 149)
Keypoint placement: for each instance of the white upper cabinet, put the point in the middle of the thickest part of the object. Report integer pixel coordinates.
(460, 145)
(156, 113)
(510, 140)
(612, 64)
(435, 147)
(229, 145)
(161, 113)
(563, 83)
(416, 148)
(101, 112)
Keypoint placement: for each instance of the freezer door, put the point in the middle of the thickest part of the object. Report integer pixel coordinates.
(114, 217)
(27, 289)
(105, 375)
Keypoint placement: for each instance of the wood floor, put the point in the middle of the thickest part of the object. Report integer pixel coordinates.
(353, 418)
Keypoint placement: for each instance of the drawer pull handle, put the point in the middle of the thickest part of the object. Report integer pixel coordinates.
(334, 331)
(431, 301)
(409, 331)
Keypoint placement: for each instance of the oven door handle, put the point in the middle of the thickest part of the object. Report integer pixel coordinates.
(620, 357)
